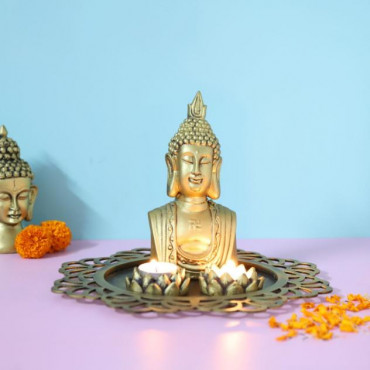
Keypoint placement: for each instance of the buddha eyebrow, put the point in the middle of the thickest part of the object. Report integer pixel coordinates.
(188, 154)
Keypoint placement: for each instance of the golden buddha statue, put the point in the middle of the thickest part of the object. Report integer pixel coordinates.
(17, 194)
(193, 231)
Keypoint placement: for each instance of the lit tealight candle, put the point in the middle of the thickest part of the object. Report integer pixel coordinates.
(155, 268)
(229, 280)
(230, 267)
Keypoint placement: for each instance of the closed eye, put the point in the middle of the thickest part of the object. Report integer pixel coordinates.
(23, 196)
(187, 159)
(4, 197)
(205, 160)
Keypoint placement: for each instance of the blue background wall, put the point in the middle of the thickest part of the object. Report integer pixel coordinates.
(92, 91)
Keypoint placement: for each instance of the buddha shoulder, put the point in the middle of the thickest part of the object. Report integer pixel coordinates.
(159, 211)
(224, 211)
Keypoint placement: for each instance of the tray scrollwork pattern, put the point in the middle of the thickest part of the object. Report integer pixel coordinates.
(86, 279)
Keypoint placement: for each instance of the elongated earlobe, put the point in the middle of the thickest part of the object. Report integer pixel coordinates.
(173, 187)
(33, 195)
(214, 190)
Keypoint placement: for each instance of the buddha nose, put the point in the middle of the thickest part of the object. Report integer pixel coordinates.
(196, 170)
(14, 205)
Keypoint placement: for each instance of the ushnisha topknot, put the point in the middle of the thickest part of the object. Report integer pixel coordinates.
(195, 130)
(11, 164)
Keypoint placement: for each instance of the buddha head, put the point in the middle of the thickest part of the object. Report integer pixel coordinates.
(17, 194)
(193, 159)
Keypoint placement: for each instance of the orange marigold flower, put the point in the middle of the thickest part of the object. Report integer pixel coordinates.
(273, 323)
(33, 242)
(60, 234)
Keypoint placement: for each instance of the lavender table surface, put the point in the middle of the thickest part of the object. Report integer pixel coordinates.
(41, 330)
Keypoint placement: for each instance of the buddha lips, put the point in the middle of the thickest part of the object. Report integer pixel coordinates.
(35, 241)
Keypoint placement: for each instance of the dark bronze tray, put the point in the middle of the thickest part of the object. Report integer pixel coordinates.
(104, 279)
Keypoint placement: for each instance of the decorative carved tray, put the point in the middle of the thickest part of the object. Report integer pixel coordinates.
(104, 279)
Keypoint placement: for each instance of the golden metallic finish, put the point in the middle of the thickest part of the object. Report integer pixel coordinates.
(105, 279)
(195, 130)
(213, 285)
(193, 231)
(173, 285)
(17, 194)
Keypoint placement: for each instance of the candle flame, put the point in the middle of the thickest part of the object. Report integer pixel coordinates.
(230, 267)
(155, 267)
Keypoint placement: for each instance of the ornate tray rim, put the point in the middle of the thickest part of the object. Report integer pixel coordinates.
(85, 279)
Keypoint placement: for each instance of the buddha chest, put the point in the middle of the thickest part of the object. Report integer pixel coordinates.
(194, 233)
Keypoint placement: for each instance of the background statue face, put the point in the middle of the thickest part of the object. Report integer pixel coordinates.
(194, 169)
(17, 197)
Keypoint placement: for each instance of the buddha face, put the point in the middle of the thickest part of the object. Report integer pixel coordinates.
(17, 197)
(194, 163)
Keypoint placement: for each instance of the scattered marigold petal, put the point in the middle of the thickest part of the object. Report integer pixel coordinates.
(363, 305)
(307, 305)
(282, 338)
(33, 242)
(312, 329)
(333, 299)
(326, 336)
(60, 234)
(307, 313)
(347, 326)
(321, 309)
(273, 323)
(355, 297)
(334, 320)
(320, 320)
(357, 320)
(292, 333)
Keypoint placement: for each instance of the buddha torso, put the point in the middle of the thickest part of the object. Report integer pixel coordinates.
(193, 231)
(177, 237)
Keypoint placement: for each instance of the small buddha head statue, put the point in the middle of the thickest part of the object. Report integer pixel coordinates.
(193, 159)
(17, 193)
